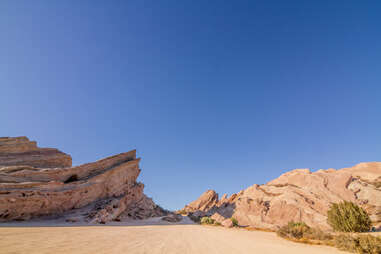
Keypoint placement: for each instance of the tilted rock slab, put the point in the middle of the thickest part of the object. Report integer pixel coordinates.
(299, 195)
(106, 189)
(21, 151)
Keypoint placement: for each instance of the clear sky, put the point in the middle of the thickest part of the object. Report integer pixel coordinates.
(212, 94)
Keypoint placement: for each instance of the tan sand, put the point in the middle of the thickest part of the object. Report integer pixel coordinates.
(148, 239)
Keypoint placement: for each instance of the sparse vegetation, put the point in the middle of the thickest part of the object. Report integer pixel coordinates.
(207, 220)
(363, 244)
(217, 223)
(300, 230)
(234, 221)
(348, 217)
(302, 233)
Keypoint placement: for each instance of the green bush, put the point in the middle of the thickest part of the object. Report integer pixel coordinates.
(207, 220)
(234, 221)
(217, 223)
(363, 244)
(348, 217)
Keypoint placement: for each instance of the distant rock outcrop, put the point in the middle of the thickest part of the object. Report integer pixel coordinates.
(298, 195)
(37, 182)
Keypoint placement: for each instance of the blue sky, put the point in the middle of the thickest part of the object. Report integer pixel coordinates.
(213, 94)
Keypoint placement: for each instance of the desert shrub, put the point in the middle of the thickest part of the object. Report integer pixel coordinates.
(317, 234)
(348, 217)
(299, 230)
(207, 220)
(345, 242)
(363, 244)
(369, 244)
(294, 230)
(217, 223)
(234, 221)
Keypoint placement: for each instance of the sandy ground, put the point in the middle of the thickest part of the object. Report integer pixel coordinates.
(165, 239)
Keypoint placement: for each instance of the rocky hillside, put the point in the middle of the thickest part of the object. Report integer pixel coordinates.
(299, 195)
(40, 182)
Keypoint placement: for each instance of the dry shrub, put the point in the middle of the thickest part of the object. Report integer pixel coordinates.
(234, 221)
(300, 230)
(363, 244)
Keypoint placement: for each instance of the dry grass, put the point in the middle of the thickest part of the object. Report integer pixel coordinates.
(357, 243)
(259, 229)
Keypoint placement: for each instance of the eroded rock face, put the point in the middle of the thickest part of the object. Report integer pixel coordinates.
(104, 190)
(204, 203)
(21, 151)
(298, 195)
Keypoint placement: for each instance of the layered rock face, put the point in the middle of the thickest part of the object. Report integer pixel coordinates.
(38, 182)
(298, 195)
(21, 151)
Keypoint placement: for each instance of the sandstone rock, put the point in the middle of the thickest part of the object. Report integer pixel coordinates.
(105, 190)
(227, 223)
(298, 195)
(21, 151)
(172, 218)
(206, 201)
(73, 219)
(218, 217)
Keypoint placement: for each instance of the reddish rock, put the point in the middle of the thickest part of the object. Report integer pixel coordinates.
(227, 223)
(21, 151)
(206, 201)
(298, 195)
(218, 217)
(105, 190)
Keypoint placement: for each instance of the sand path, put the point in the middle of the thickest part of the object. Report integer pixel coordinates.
(182, 239)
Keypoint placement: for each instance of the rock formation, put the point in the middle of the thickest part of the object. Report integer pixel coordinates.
(37, 182)
(21, 151)
(299, 195)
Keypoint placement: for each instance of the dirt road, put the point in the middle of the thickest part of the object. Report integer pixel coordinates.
(180, 239)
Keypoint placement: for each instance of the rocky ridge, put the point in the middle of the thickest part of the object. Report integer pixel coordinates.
(299, 195)
(40, 182)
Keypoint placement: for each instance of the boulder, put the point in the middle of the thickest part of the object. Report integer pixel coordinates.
(218, 217)
(227, 223)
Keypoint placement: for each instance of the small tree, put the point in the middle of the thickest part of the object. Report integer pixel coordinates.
(348, 217)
